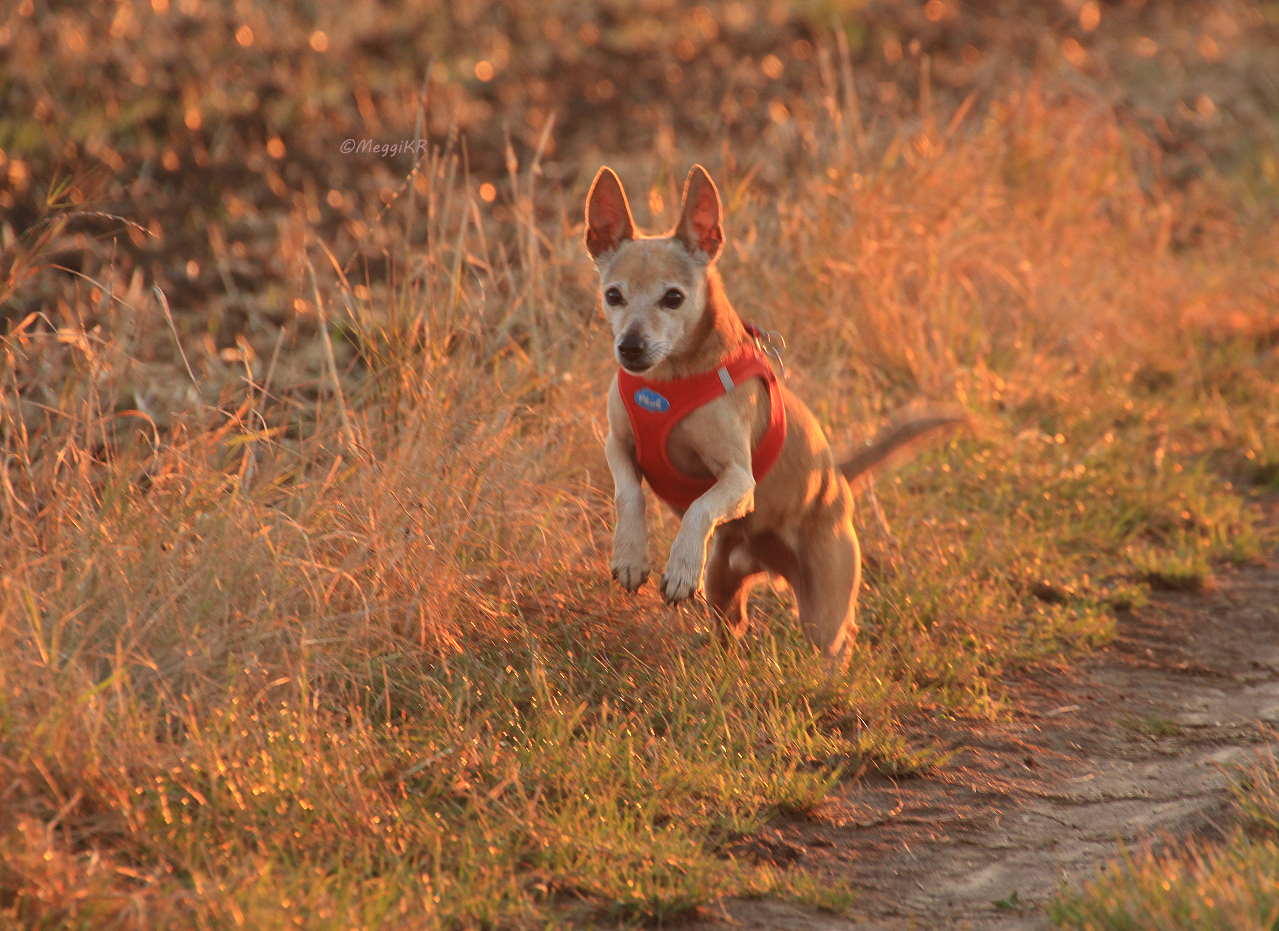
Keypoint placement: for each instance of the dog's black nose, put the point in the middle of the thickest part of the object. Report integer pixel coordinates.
(631, 350)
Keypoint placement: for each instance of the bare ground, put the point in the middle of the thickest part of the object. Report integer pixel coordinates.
(1135, 746)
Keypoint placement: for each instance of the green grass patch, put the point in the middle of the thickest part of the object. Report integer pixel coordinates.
(1153, 726)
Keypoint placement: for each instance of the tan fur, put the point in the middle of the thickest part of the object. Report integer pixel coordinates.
(797, 521)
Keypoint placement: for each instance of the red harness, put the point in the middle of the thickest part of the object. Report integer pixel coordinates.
(655, 407)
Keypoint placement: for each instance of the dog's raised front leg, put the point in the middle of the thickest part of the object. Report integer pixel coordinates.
(732, 496)
(630, 533)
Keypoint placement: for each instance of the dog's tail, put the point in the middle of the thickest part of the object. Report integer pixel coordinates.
(910, 432)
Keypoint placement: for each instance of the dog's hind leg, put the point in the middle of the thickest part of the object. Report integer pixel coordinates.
(730, 573)
(827, 583)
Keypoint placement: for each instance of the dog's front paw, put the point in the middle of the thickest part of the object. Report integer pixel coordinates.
(675, 589)
(681, 579)
(630, 576)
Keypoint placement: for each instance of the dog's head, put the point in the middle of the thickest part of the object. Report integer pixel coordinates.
(653, 289)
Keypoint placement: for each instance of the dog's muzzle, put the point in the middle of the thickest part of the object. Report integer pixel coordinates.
(632, 353)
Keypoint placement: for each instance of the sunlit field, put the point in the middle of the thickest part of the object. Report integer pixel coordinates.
(305, 613)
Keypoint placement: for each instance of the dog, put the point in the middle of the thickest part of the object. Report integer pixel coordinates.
(696, 410)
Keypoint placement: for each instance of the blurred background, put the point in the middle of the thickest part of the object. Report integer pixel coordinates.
(198, 145)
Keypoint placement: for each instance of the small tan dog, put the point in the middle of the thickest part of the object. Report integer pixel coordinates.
(696, 410)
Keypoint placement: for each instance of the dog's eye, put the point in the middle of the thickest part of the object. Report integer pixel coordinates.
(614, 297)
(672, 298)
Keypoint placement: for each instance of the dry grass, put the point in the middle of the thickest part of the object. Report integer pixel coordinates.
(341, 648)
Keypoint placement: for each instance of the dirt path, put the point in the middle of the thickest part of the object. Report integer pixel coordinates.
(1132, 745)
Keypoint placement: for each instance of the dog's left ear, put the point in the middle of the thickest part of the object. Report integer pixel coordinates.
(699, 226)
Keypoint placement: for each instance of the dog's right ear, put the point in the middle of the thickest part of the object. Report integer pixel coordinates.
(608, 215)
(699, 227)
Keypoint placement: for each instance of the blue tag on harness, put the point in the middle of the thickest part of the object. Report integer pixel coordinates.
(650, 400)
